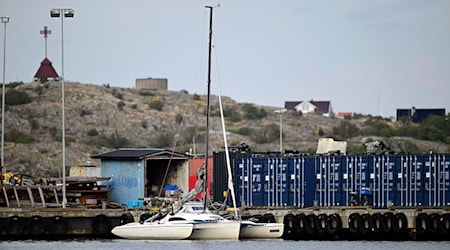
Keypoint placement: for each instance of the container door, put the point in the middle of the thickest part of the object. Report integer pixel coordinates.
(256, 182)
(269, 181)
(280, 181)
(242, 190)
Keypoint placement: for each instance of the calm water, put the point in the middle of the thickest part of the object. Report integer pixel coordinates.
(221, 245)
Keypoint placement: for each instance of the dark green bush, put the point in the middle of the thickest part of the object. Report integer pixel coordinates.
(17, 136)
(251, 112)
(120, 105)
(15, 97)
(92, 132)
(158, 105)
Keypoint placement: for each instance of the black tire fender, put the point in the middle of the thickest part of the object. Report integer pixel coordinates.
(126, 218)
(37, 225)
(389, 220)
(300, 224)
(310, 224)
(289, 222)
(321, 224)
(101, 225)
(58, 225)
(378, 223)
(15, 225)
(401, 223)
(354, 221)
(366, 224)
(422, 223)
(269, 218)
(444, 224)
(434, 223)
(334, 224)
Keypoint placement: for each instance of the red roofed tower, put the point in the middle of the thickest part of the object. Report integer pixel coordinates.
(46, 69)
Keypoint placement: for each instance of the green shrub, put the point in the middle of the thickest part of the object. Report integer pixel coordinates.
(146, 93)
(120, 105)
(133, 106)
(15, 97)
(232, 114)
(17, 136)
(158, 105)
(92, 132)
(251, 112)
(84, 112)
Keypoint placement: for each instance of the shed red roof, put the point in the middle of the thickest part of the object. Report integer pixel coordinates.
(46, 70)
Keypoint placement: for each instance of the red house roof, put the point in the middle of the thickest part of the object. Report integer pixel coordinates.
(46, 71)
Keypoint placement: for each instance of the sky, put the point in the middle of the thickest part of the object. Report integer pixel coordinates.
(365, 56)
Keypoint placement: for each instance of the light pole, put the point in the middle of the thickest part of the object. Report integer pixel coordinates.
(4, 20)
(62, 13)
(281, 111)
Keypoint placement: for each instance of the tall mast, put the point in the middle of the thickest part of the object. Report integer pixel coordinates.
(205, 200)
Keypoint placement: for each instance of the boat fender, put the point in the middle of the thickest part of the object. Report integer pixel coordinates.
(289, 223)
(389, 220)
(434, 223)
(444, 224)
(101, 225)
(300, 225)
(58, 225)
(354, 222)
(401, 223)
(126, 218)
(378, 223)
(269, 218)
(334, 224)
(310, 224)
(366, 224)
(15, 225)
(3, 224)
(37, 225)
(422, 223)
(321, 224)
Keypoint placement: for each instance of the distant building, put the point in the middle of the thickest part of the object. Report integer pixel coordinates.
(418, 115)
(345, 114)
(317, 107)
(46, 72)
(151, 84)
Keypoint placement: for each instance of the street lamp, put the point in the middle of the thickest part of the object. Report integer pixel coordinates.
(281, 111)
(4, 20)
(62, 13)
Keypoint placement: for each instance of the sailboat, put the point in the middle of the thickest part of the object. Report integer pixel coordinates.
(211, 226)
(188, 219)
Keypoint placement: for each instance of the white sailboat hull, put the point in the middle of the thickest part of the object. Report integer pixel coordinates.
(261, 230)
(154, 231)
(221, 230)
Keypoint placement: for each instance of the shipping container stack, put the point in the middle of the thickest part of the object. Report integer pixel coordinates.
(380, 181)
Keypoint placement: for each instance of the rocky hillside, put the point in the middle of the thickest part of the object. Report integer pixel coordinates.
(101, 118)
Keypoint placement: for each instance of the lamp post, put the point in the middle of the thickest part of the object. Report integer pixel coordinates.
(62, 13)
(4, 20)
(281, 111)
